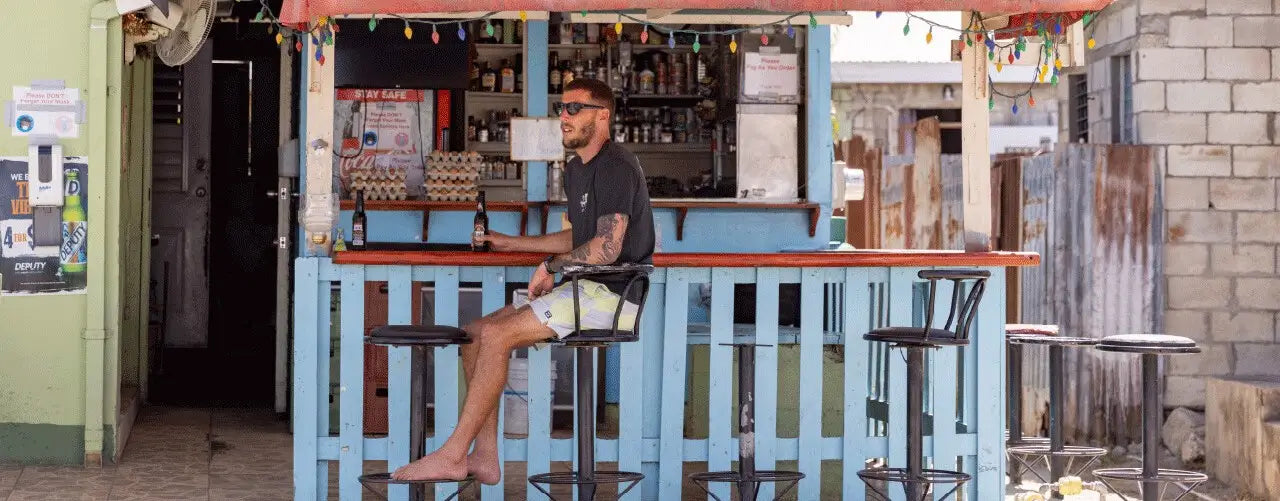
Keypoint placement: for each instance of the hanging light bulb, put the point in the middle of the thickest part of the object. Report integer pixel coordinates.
(279, 38)
(324, 20)
(314, 40)
(791, 30)
(878, 14)
(644, 35)
(462, 33)
(968, 41)
(1057, 63)
(617, 27)
(1015, 107)
(1092, 43)
(813, 21)
(524, 16)
(488, 27)
(999, 66)
(1017, 54)
(435, 35)
(928, 37)
(991, 55)
(373, 23)
(1010, 58)
(298, 45)
(764, 39)
(671, 40)
(991, 103)
(408, 31)
(261, 13)
(906, 28)
(584, 12)
(1054, 81)
(733, 45)
(1031, 101)
(696, 43)
(333, 28)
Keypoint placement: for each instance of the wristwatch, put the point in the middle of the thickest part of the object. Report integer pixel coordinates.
(546, 263)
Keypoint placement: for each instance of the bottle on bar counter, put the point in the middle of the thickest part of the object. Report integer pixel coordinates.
(480, 225)
(359, 223)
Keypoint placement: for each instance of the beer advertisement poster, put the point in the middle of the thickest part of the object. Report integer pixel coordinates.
(28, 269)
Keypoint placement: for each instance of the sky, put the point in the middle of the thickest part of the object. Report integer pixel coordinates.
(870, 39)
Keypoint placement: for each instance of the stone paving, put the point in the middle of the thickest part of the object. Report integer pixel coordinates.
(241, 455)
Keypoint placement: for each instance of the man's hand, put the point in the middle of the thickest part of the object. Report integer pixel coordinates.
(497, 241)
(541, 282)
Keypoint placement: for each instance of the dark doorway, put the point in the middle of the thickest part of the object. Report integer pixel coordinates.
(951, 134)
(233, 362)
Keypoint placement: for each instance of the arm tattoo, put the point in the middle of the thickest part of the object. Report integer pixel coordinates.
(604, 248)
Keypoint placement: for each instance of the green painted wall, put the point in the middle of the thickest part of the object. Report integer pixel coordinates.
(42, 350)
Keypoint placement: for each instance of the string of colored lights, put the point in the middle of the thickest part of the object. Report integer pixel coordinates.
(322, 31)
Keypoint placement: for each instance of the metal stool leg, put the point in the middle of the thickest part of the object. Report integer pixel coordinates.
(915, 424)
(1151, 410)
(1014, 399)
(1056, 467)
(417, 412)
(747, 425)
(586, 425)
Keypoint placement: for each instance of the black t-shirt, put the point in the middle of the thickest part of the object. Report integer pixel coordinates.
(611, 183)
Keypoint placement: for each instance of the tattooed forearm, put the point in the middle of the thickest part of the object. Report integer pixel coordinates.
(604, 248)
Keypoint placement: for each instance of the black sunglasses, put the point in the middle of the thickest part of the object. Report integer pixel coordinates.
(573, 108)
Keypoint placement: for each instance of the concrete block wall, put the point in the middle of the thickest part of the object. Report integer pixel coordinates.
(1207, 89)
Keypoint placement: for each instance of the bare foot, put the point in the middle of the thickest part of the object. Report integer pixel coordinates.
(433, 466)
(483, 465)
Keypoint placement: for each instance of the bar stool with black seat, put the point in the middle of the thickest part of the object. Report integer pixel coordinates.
(1013, 382)
(1060, 458)
(1150, 476)
(419, 338)
(747, 477)
(917, 481)
(585, 342)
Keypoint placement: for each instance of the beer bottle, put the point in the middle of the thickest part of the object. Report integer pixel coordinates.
(480, 225)
(359, 223)
(73, 255)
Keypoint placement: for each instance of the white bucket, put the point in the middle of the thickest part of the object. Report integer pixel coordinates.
(516, 394)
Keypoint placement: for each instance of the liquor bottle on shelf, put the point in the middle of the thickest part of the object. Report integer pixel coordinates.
(646, 81)
(554, 75)
(479, 225)
(508, 83)
(359, 223)
(566, 74)
(488, 79)
(579, 64)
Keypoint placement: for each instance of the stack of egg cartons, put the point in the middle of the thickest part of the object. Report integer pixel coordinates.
(451, 176)
(380, 183)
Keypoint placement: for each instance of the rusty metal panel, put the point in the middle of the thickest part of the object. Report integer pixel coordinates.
(952, 202)
(1094, 217)
(895, 173)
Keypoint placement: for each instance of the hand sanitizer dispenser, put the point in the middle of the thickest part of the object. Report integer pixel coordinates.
(45, 193)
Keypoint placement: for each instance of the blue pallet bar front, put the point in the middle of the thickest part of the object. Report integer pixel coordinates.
(853, 291)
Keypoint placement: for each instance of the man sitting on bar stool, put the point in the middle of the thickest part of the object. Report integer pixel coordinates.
(612, 223)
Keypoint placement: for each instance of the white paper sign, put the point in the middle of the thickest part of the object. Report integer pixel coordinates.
(45, 112)
(771, 75)
(536, 139)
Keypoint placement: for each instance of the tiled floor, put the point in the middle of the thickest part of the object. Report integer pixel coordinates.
(240, 455)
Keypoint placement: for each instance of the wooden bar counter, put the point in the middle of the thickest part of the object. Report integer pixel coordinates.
(816, 259)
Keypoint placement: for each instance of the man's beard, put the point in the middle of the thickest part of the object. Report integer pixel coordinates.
(587, 131)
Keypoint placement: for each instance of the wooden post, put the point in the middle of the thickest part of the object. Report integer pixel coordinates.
(318, 146)
(974, 146)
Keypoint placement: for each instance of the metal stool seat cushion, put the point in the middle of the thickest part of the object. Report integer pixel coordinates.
(1155, 344)
(1031, 329)
(916, 336)
(1042, 340)
(418, 335)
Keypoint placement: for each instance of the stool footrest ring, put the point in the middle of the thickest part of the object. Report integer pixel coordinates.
(371, 479)
(1187, 480)
(791, 478)
(1028, 454)
(927, 477)
(575, 478)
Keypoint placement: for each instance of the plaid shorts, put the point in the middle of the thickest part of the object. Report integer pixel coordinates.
(596, 305)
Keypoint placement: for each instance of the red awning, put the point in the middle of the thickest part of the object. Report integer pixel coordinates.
(298, 11)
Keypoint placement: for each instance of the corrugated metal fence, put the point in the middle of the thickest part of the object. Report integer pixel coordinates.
(1092, 211)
